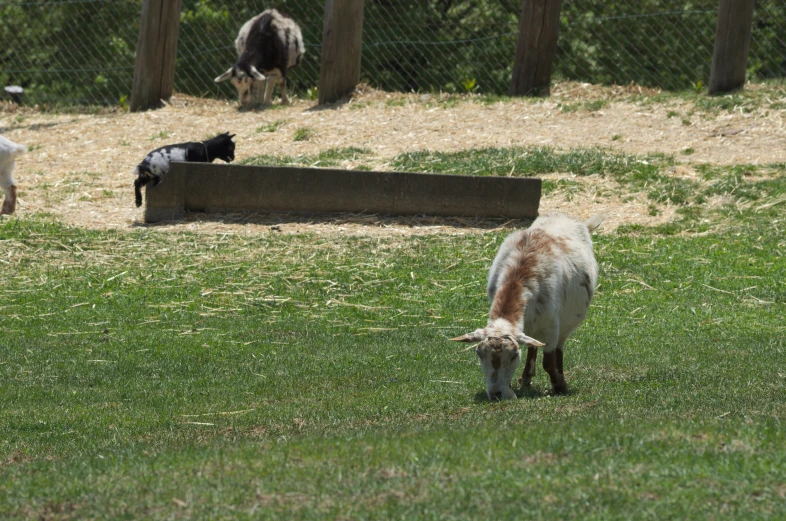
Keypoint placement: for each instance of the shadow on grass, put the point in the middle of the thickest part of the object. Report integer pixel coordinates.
(480, 397)
(335, 105)
(531, 392)
(522, 392)
(35, 126)
(274, 221)
(257, 106)
(261, 106)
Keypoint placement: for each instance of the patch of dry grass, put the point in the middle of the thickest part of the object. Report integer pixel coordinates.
(108, 144)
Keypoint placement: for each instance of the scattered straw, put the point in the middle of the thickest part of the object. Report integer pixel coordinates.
(79, 166)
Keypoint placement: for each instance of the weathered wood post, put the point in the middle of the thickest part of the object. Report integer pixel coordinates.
(156, 50)
(535, 48)
(342, 35)
(732, 42)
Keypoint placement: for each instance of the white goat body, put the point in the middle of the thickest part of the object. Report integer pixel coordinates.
(8, 154)
(541, 282)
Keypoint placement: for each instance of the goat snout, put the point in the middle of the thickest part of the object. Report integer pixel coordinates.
(495, 396)
(499, 394)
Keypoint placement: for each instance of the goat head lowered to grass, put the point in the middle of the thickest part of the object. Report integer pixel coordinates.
(268, 45)
(541, 281)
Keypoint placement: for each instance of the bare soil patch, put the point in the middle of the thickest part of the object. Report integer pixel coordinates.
(79, 167)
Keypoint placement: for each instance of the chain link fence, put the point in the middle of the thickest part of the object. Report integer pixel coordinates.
(206, 45)
(81, 52)
(659, 43)
(69, 51)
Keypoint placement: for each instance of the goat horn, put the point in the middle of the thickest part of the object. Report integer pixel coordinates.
(224, 76)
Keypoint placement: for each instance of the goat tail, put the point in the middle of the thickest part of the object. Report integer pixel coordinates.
(593, 222)
(18, 150)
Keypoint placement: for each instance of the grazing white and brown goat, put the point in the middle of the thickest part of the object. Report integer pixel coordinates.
(541, 281)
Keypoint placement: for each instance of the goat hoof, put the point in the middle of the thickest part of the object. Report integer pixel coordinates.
(560, 388)
(525, 381)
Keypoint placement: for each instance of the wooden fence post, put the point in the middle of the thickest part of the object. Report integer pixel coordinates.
(732, 42)
(535, 48)
(156, 50)
(342, 37)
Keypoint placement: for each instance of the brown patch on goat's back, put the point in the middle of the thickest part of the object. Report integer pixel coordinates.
(508, 303)
(539, 241)
(523, 240)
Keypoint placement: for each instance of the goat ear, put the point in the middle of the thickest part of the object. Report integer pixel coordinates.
(256, 74)
(528, 341)
(224, 76)
(475, 336)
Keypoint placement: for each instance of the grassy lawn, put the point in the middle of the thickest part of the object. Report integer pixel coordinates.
(159, 375)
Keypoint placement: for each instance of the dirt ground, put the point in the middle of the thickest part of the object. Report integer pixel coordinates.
(79, 165)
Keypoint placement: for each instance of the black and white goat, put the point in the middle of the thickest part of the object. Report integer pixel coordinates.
(267, 46)
(8, 153)
(541, 282)
(156, 163)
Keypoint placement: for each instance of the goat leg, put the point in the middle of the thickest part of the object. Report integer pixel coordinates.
(138, 183)
(9, 204)
(559, 361)
(270, 84)
(258, 89)
(284, 98)
(529, 366)
(558, 384)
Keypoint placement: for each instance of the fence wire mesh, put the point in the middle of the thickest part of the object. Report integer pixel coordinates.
(69, 51)
(82, 51)
(660, 44)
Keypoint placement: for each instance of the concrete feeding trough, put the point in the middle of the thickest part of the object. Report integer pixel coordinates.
(217, 188)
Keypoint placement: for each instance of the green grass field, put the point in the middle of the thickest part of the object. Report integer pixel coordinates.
(157, 375)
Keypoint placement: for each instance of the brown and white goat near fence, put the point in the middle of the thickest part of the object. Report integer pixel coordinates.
(268, 45)
(541, 282)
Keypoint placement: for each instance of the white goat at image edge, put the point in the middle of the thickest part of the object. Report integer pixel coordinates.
(540, 285)
(8, 154)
